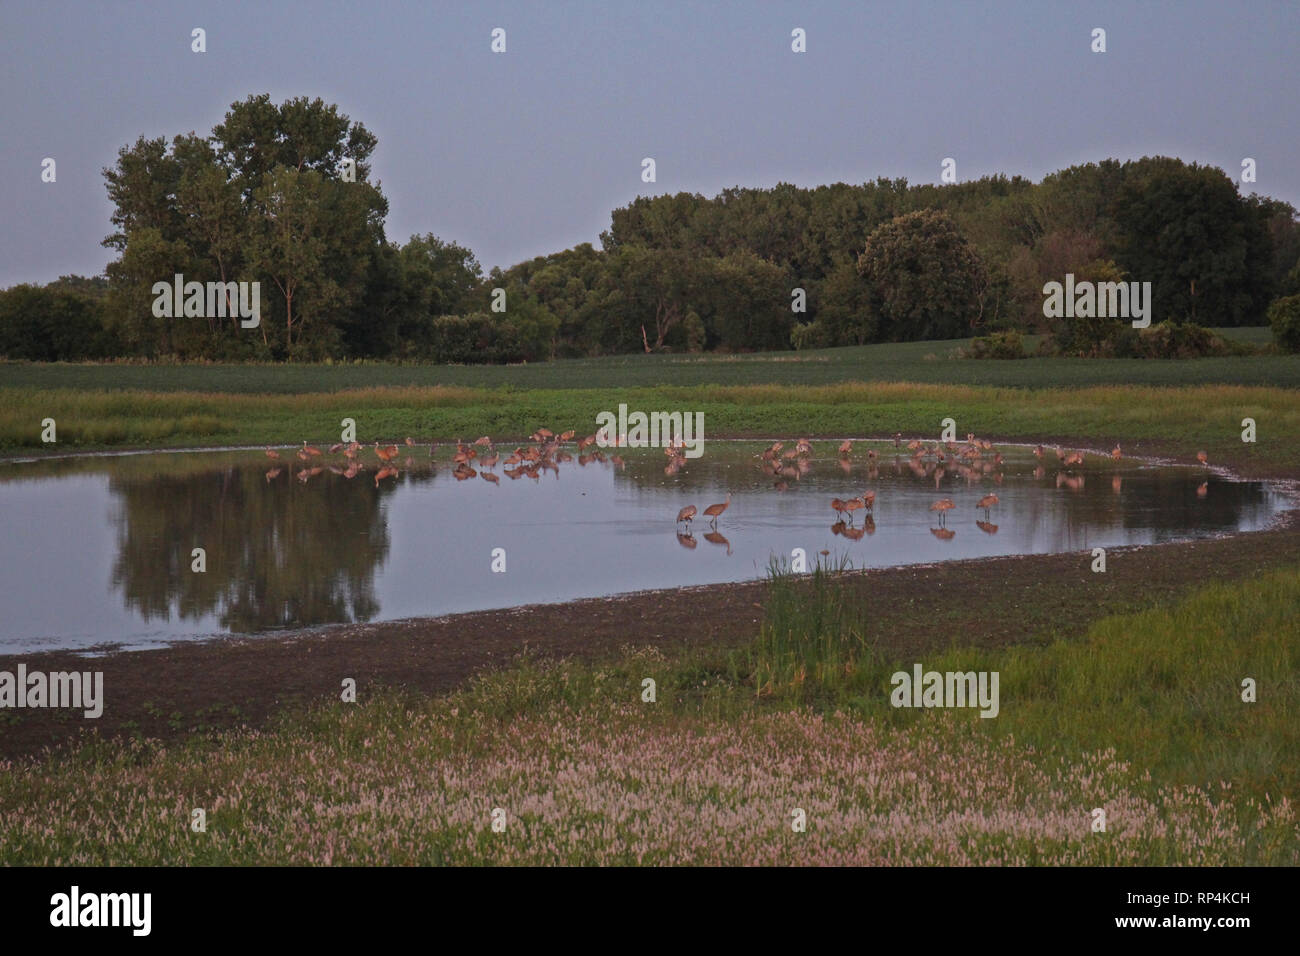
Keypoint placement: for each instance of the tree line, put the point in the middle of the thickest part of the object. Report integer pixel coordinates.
(282, 195)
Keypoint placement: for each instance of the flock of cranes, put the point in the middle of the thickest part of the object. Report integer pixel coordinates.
(545, 453)
(975, 459)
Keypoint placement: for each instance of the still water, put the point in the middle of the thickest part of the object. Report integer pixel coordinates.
(97, 552)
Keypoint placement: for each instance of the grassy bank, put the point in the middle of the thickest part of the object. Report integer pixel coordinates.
(1196, 417)
(1141, 718)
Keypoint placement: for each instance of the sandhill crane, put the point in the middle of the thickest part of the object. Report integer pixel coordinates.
(687, 514)
(334, 449)
(943, 506)
(987, 502)
(712, 511)
(273, 473)
(842, 507)
(483, 442)
(567, 436)
(311, 450)
(1203, 458)
(272, 453)
(869, 500)
(846, 446)
(1116, 453)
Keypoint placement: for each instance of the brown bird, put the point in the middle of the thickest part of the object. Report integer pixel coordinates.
(712, 511)
(841, 506)
(943, 506)
(484, 441)
(1203, 489)
(409, 443)
(987, 502)
(1203, 458)
(869, 500)
(687, 514)
(272, 453)
(309, 449)
(273, 473)
(846, 447)
(335, 448)
(567, 436)
(1116, 453)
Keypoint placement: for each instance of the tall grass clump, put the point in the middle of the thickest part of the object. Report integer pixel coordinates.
(812, 639)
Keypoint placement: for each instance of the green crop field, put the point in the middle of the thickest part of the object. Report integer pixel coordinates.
(923, 362)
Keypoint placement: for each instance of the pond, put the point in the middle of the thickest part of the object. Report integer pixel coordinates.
(98, 550)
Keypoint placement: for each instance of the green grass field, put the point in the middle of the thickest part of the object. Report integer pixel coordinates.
(921, 362)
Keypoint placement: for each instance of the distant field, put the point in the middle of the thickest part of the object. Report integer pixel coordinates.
(922, 362)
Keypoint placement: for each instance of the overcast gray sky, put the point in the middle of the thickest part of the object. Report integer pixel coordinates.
(524, 153)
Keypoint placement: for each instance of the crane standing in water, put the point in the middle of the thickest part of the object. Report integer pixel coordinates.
(713, 511)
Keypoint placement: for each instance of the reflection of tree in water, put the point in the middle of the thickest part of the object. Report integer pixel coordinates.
(281, 554)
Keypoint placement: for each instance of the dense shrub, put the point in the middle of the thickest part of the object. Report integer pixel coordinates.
(1284, 319)
(52, 324)
(808, 335)
(998, 345)
(474, 338)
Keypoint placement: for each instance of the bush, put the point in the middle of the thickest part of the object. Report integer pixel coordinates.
(477, 338)
(1284, 319)
(1179, 340)
(808, 335)
(998, 345)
